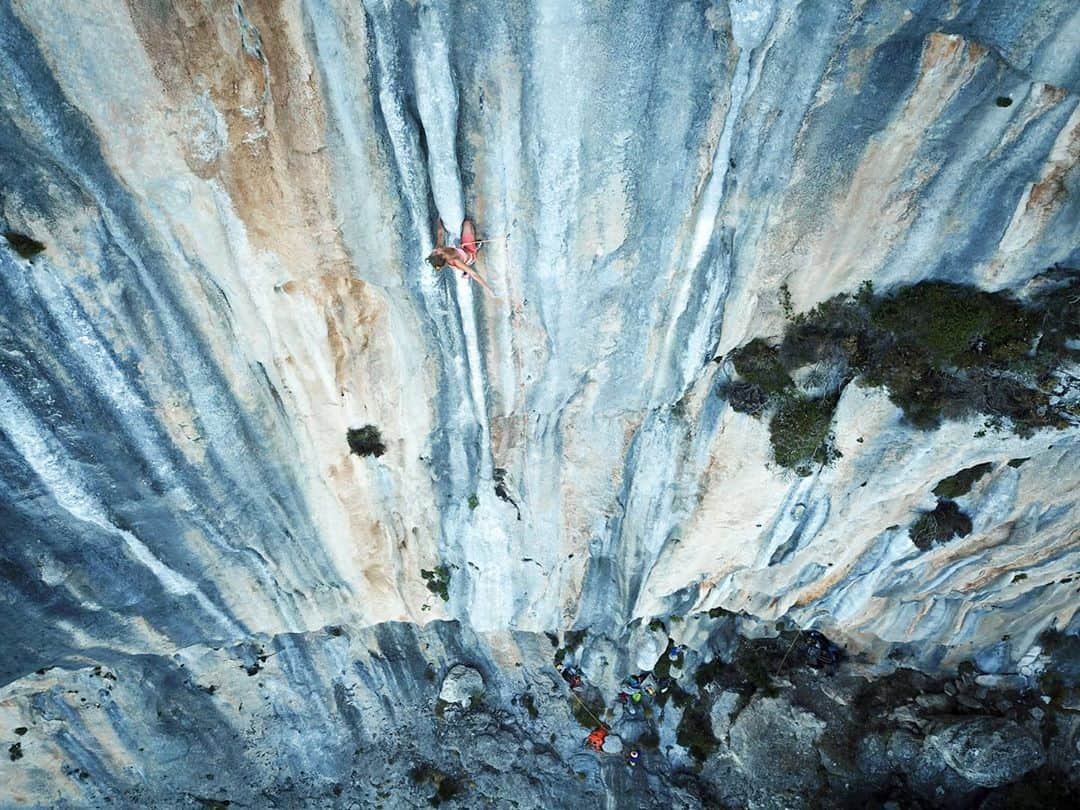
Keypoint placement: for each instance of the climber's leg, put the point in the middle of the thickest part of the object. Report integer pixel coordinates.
(468, 240)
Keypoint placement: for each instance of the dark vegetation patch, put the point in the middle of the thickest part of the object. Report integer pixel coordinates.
(1003, 101)
(746, 397)
(588, 708)
(529, 703)
(1016, 462)
(960, 484)
(799, 433)
(941, 350)
(694, 732)
(662, 667)
(759, 364)
(502, 492)
(438, 581)
(649, 738)
(15, 751)
(446, 787)
(945, 522)
(25, 246)
(365, 441)
(748, 670)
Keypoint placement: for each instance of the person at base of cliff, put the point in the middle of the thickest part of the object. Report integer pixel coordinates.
(596, 738)
(461, 258)
(572, 676)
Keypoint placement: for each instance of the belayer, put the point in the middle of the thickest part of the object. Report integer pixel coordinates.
(461, 258)
(596, 738)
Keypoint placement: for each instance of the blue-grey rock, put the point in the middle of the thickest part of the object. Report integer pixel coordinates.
(461, 685)
(987, 751)
(775, 744)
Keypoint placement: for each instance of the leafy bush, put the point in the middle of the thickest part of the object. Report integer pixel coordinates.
(941, 525)
(954, 326)
(799, 433)
(759, 364)
(748, 398)
(438, 581)
(365, 441)
(942, 350)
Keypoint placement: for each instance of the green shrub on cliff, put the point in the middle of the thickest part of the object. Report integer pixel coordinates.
(365, 441)
(941, 350)
(941, 525)
(799, 433)
(438, 581)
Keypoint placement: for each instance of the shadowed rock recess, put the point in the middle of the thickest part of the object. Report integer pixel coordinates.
(778, 400)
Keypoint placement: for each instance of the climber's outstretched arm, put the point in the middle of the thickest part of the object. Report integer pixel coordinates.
(464, 268)
(440, 235)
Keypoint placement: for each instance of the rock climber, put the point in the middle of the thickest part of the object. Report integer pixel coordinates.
(596, 738)
(571, 675)
(461, 258)
(822, 653)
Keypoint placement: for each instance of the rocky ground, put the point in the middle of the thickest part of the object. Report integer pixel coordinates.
(404, 717)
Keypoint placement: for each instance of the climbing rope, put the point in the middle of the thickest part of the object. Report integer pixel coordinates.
(789, 649)
(588, 711)
(492, 239)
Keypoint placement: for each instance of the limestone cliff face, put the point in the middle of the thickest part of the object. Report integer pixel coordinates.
(235, 202)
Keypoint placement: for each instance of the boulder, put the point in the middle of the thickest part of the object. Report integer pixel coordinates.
(460, 684)
(986, 751)
(995, 659)
(596, 662)
(721, 712)
(775, 745)
(613, 744)
(650, 648)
